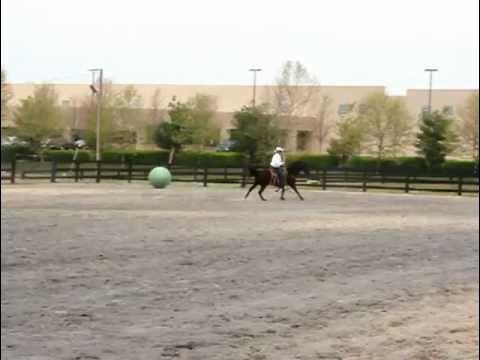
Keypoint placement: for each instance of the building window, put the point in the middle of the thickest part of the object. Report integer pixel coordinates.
(362, 109)
(344, 109)
(304, 139)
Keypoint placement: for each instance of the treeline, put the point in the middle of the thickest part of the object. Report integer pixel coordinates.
(379, 125)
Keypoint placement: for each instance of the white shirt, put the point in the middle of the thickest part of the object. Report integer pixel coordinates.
(277, 161)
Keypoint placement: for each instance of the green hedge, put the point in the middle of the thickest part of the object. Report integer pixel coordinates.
(10, 151)
(160, 157)
(315, 162)
(66, 156)
(210, 159)
(459, 168)
(401, 165)
(413, 165)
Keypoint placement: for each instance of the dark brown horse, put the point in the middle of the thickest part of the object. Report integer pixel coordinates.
(264, 178)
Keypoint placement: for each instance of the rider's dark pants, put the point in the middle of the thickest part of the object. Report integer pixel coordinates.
(281, 175)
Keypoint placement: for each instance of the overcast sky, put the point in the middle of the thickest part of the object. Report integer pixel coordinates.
(342, 42)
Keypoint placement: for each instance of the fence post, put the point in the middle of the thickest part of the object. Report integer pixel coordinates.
(77, 170)
(130, 170)
(53, 174)
(365, 179)
(99, 171)
(13, 169)
(460, 185)
(244, 177)
(324, 180)
(205, 177)
(407, 184)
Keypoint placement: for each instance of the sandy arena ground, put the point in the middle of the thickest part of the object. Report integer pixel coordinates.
(118, 271)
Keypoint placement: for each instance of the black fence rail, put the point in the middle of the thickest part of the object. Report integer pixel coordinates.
(323, 179)
(374, 180)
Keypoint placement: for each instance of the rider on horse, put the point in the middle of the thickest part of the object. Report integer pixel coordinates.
(278, 165)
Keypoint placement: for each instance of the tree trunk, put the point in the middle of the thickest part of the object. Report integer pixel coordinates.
(171, 156)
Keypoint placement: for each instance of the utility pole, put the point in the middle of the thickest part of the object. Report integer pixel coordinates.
(431, 71)
(254, 84)
(99, 94)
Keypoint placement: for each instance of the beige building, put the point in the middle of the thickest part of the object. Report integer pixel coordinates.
(299, 132)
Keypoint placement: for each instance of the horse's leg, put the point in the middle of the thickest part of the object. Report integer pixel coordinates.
(261, 191)
(294, 187)
(251, 188)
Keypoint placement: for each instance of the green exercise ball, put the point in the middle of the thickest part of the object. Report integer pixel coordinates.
(159, 177)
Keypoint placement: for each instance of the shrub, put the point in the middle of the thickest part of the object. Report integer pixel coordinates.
(210, 159)
(315, 162)
(66, 156)
(459, 168)
(11, 151)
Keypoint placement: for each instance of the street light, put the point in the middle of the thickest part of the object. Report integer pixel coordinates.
(98, 93)
(254, 83)
(431, 71)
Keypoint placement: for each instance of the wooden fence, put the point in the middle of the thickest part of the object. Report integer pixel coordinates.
(323, 179)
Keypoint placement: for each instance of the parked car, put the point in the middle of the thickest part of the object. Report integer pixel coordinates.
(62, 144)
(53, 143)
(13, 140)
(225, 146)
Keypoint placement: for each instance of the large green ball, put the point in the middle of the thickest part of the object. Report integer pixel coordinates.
(159, 177)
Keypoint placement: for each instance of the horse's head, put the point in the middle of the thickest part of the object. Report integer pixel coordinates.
(297, 167)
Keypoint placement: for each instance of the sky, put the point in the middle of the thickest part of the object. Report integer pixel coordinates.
(341, 42)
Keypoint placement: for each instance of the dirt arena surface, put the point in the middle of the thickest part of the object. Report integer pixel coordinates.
(118, 271)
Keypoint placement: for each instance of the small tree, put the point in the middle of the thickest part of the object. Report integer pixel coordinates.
(7, 95)
(350, 133)
(256, 132)
(176, 133)
(435, 139)
(169, 135)
(189, 123)
(39, 117)
(467, 126)
(203, 129)
(156, 106)
(295, 95)
(387, 124)
(322, 122)
(128, 109)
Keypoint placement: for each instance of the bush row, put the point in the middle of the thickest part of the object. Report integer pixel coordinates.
(413, 165)
(10, 151)
(401, 165)
(159, 157)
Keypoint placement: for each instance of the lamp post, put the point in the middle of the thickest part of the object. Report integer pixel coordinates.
(98, 93)
(431, 71)
(254, 83)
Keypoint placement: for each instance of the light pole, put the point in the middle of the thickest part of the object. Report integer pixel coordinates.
(98, 93)
(254, 83)
(431, 71)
